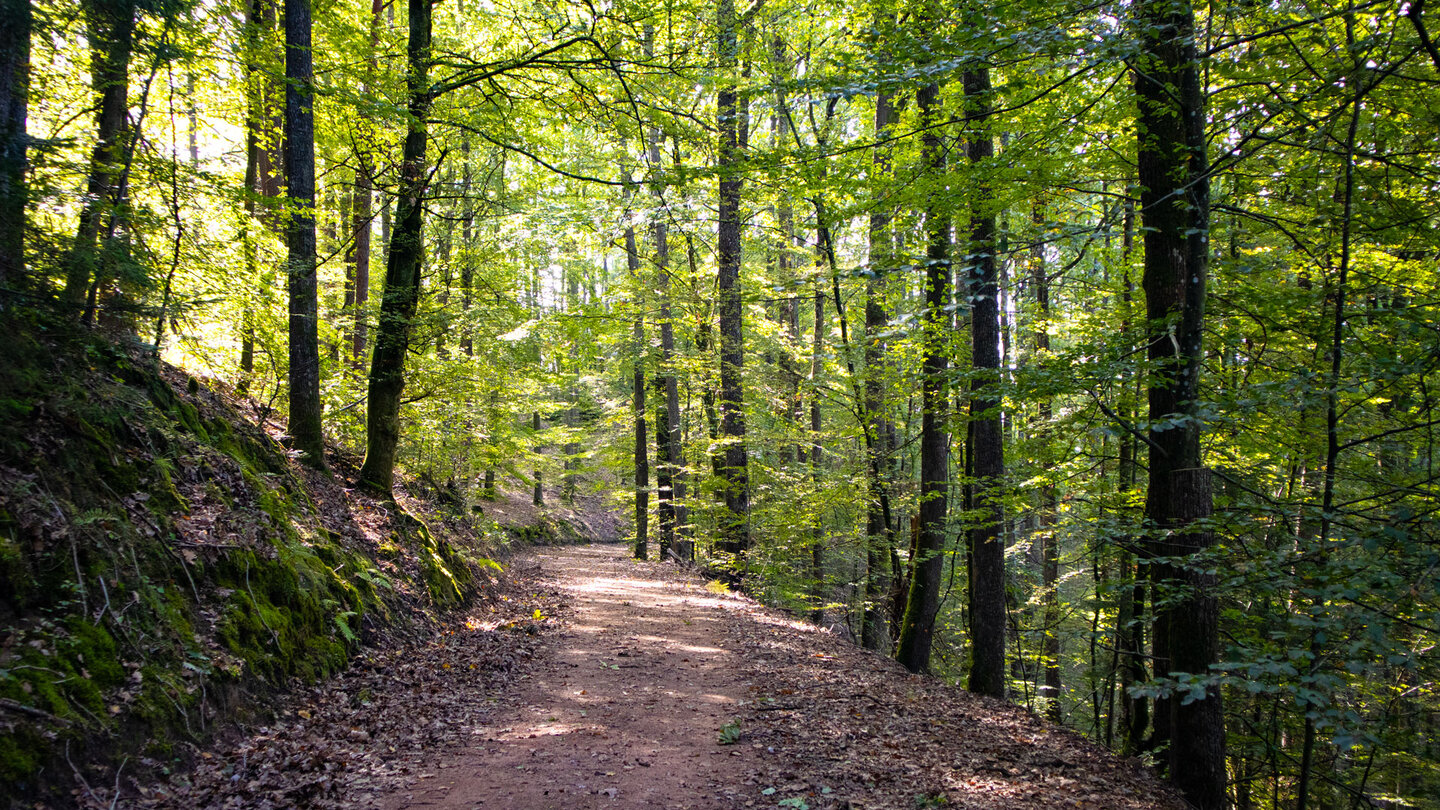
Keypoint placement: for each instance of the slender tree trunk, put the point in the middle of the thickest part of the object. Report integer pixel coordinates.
(1049, 503)
(669, 477)
(305, 430)
(261, 181)
(1175, 209)
(734, 530)
(1336, 356)
(538, 497)
(879, 533)
(817, 450)
(110, 27)
(402, 271)
(467, 252)
(987, 660)
(642, 460)
(14, 110)
(1130, 621)
(364, 206)
(928, 557)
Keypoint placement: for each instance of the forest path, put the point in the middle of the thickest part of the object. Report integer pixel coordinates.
(623, 708)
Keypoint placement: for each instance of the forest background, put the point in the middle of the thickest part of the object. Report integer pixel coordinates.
(1084, 353)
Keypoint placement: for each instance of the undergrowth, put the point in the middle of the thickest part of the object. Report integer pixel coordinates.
(163, 561)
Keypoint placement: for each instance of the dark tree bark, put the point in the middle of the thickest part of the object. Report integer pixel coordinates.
(110, 27)
(987, 623)
(263, 127)
(538, 498)
(879, 531)
(1175, 212)
(1130, 619)
(14, 110)
(1049, 503)
(402, 272)
(817, 452)
(669, 476)
(363, 208)
(467, 238)
(305, 431)
(735, 530)
(642, 458)
(928, 557)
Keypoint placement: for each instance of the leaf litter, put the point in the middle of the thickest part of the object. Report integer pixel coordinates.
(475, 712)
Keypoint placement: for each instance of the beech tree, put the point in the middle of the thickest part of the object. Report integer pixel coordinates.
(1175, 212)
(1017, 474)
(110, 25)
(401, 296)
(305, 405)
(14, 104)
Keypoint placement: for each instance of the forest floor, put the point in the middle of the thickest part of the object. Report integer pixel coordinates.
(597, 682)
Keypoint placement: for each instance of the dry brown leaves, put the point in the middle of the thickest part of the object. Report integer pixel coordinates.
(378, 724)
(852, 729)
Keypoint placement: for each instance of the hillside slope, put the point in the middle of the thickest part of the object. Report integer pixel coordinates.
(163, 561)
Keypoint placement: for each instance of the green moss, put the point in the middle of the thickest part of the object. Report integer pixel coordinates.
(91, 649)
(17, 755)
(17, 581)
(289, 603)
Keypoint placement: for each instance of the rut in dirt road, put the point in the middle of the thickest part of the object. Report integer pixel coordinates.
(625, 707)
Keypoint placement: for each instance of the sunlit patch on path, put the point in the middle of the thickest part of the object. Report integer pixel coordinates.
(625, 709)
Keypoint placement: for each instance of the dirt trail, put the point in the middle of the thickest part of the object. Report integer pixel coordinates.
(616, 695)
(624, 708)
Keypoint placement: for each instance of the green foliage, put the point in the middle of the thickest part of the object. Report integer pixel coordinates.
(1327, 612)
(731, 733)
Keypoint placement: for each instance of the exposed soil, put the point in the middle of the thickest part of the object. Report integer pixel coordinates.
(625, 708)
(637, 685)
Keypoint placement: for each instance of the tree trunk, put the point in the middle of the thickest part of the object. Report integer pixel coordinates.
(364, 206)
(879, 533)
(734, 531)
(305, 430)
(1049, 504)
(987, 660)
(817, 532)
(402, 271)
(642, 461)
(1175, 210)
(927, 560)
(538, 497)
(669, 477)
(467, 253)
(14, 109)
(110, 28)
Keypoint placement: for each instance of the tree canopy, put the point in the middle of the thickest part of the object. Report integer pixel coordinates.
(1084, 353)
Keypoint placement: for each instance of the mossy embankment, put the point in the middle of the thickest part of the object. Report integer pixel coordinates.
(163, 561)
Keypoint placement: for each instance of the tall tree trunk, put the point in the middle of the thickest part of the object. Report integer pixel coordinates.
(1049, 503)
(467, 252)
(261, 182)
(364, 206)
(879, 533)
(735, 530)
(1336, 353)
(642, 459)
(927, 560)
(110, 28)
(1130, 619)
(1175, 212)
(305, 430)
(817, 450)
(402, 271)
(362, 210)
(987, 659)
(14, 110)
(669, 476)
(538, 497)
